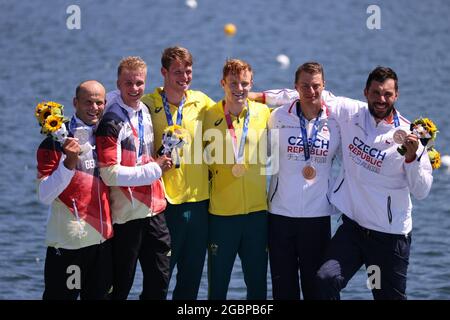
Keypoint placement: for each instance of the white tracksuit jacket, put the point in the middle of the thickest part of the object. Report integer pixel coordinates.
(290, 194)
(375, 186)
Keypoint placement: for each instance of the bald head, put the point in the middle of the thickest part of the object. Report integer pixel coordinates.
(89, 101)
(89, 85)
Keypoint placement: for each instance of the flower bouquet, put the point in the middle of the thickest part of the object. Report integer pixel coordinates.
(173, 139)
(435, 157)
(426, 131)
(50, 117)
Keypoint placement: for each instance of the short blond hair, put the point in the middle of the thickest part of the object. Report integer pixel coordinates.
(131, 63)
(235, 67)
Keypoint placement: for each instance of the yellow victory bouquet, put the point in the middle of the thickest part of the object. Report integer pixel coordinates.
(426, 131)
(435, 157)
(173, 139)
(50, 117)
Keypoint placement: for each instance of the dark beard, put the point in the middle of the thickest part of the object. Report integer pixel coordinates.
(386, 114)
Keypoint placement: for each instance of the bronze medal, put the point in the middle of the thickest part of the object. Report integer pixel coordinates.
(309, 172)
(238, 170)
(400, 136)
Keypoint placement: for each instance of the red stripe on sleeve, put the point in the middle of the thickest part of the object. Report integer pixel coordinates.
(106, 151)
(47, 161)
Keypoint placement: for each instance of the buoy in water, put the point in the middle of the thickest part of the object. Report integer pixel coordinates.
(284, 61)
(192, 4)
(445, 161)
(229, 29)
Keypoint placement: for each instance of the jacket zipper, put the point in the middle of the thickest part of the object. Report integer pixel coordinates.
(152, 202)
(100, 205)
(275, 191)
(328, 199)
(389, 212)
(339, 186)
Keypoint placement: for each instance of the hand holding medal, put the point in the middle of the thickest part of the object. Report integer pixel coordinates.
(174, 136)
(425, 130)
(173, 139)
(400, 136)
(50, 117)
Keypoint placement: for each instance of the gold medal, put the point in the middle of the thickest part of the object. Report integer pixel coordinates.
(309, 172)
(400, 136)
(238, 170)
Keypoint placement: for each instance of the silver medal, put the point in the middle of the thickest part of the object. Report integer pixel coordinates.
(82, 135)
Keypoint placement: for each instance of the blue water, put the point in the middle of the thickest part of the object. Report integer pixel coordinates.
(42, 60)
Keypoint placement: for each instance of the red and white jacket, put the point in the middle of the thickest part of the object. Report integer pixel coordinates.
(79, 214)
(136, 188)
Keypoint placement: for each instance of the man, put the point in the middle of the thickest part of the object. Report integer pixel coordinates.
(79, 223)
(125, 146)
(238, 217)
(374, 191)
(299, 219)
(186, 187)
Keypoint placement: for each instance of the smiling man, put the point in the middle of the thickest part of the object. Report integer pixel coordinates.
(374, 189)
(79, 224)
(238, 206)
(299, 207)
(186, 187)
(125, 154)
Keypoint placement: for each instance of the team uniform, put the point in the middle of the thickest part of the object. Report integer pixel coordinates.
(299, 208)
(279, 97)
(373, 193)
(79, 223)
(186, 189)
(125, 146)
(374, 196)
(238, 205)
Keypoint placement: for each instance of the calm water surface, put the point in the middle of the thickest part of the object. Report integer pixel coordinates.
(42, 60)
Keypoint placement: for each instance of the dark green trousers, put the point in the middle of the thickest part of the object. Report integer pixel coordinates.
(188, 226)
(245, 235)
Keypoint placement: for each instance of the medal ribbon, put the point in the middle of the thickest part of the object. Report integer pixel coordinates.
(139, 134)
(72, 125)
(396, 120)
(240, 153)
(306, 149)
(167, 110)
